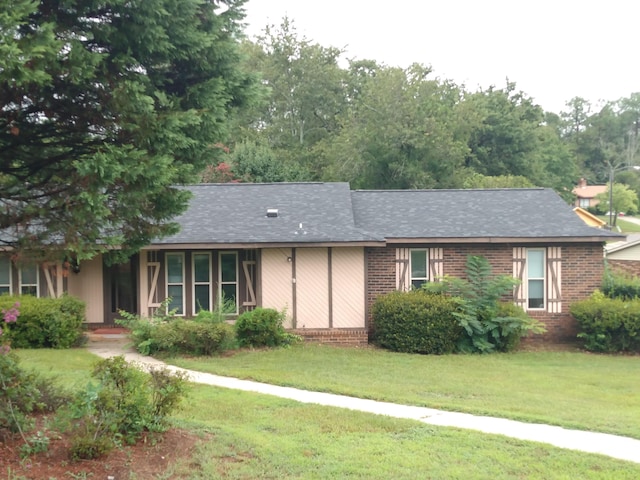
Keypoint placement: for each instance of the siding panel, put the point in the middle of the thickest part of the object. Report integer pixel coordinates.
(276, 284)
(87, 286)
(312, 288)
(347, 280)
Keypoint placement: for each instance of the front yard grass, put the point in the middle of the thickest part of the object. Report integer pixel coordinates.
(571, 389)
(247, 435)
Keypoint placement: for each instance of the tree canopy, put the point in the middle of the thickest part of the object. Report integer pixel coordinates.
(104, 108)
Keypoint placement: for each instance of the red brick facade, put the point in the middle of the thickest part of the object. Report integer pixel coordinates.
(350, 336)
(581, 273)
(629, 267)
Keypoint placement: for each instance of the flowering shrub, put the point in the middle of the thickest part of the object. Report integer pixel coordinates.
(9, 315)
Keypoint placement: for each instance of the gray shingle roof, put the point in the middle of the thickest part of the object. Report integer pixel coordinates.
(237, 213)
(332, 213)
(465, 214)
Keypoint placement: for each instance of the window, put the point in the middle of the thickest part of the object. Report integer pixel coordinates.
(419, 268)
(5, 275)
(28, 278)
(228, 277)
(201, 282)
(535, 278)
(584, 203)
(175, 282)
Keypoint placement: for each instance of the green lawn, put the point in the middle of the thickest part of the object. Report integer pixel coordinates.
(571, 389)
(250, 436)
(625, 226)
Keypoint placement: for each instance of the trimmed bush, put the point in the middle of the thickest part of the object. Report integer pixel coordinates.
(416, 322)
(262, 327)
(191, 337)
(45, 322)
(608, 324)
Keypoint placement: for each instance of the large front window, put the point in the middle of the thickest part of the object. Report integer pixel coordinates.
(419, 268)
(535, 278)
(28, 277)
(228, 278)
(175, 282)
(201, 282)
(5, 275)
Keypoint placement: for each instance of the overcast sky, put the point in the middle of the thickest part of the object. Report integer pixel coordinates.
(553, 50)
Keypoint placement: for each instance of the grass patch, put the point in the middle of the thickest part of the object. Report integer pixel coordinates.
(247, 435)
(571, 389)
(625, 225)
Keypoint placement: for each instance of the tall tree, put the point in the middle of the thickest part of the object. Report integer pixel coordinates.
(105, 106)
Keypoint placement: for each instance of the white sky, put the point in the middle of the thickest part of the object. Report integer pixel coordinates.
(553, 50)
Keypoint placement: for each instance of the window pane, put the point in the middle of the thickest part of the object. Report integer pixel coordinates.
(535, 259)
(536, 293)
(175, 292)
(417, 283)
(4, 290)
(229, 292)
(202, 297)
(228, 267)
(29, 290)
(29, 275)
(5, 271)
(201, 268)
(174, 268)
(418, 264)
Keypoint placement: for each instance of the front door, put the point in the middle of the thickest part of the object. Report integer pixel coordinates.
(121, 288)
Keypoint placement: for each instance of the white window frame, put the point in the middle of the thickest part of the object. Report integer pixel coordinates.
(221, 282)
(195, 283)
(23, 285)
(584, 202)
(543, 278)
(424, 279)
(10, 275)
(173, 284)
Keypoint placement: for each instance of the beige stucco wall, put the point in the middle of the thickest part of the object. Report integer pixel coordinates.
(276, 287)
(312, 288)
(347, 278)
(88, 286)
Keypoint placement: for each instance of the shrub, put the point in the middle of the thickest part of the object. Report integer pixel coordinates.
(488, 324)
(416, 322)
(204, 335)
(619, 285)
(608, 324)
(45, 322)
(262, 327)
(125, 403)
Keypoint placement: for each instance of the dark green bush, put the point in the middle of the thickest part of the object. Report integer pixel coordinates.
(191, 337)
(45, 322)
(620, 285)
(416, 322)
(608, 324)
(262, 327)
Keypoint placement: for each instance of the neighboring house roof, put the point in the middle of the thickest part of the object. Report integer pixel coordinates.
(323, 213)
(236, 213)
(625, 246)
(491, 214)
(589, 191)
(589, 218)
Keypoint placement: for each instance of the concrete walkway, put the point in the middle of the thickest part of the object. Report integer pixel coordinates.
(611, 445)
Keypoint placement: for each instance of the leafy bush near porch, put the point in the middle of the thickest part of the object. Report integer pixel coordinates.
(45, 322)
(203, 335)
(263, 327)
(608, 324)
(416, 322)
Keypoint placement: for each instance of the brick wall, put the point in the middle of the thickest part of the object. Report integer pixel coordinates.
(335, 336)
(629, 267)
(582, 269)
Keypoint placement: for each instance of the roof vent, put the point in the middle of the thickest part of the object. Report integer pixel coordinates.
(272, 212)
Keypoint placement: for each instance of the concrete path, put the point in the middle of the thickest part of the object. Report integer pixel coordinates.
(611, 445)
